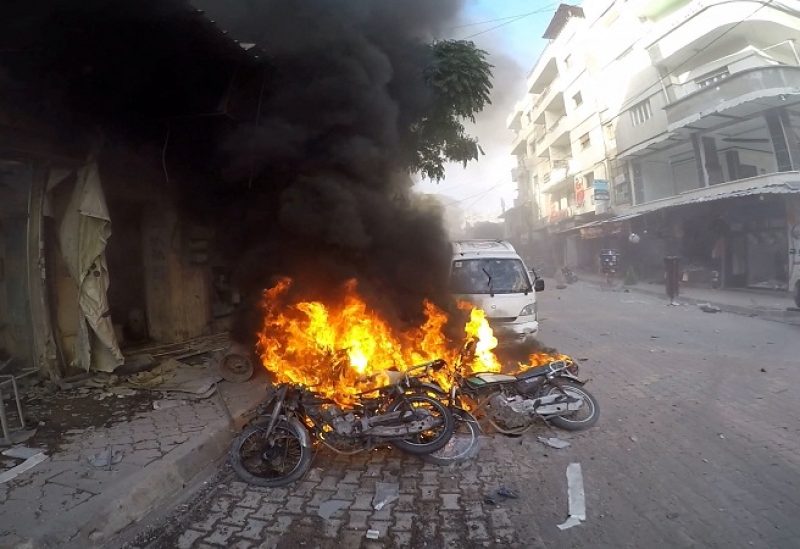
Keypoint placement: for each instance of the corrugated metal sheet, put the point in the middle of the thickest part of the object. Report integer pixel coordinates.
(784, 183)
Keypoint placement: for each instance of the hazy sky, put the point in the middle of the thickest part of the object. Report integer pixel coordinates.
(513, 47)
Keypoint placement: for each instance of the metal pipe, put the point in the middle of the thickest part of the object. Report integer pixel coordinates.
(4, 422)
(19, 403)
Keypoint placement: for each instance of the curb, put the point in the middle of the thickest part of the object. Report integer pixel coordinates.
(142, 492)
(157, 484)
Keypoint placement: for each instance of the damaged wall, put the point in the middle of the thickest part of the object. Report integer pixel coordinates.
(177, 292)
(15, 326)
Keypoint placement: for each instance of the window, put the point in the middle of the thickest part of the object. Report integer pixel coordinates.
(641, 113)
(712, 78)
(585, 140)
(588, 180)
(578, 99)
(489, 276)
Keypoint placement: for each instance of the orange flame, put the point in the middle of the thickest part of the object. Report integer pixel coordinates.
(343, 349)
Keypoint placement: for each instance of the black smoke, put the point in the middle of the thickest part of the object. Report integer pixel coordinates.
(296, 151)
(328, 194)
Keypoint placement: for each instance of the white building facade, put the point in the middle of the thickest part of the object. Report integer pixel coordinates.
(675, 120)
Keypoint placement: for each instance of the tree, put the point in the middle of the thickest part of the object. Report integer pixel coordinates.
(460, 80)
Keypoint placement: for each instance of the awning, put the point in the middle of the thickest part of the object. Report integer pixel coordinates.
(776, 183)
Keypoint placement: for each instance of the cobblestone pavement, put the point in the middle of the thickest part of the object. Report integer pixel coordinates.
(698, 444)
(67, 480)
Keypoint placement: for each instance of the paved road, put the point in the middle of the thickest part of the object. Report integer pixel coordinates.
(698, 445)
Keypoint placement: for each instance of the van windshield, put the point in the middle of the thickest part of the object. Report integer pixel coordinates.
(489, 276)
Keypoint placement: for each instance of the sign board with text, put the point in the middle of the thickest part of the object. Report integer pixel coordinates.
(601, 191)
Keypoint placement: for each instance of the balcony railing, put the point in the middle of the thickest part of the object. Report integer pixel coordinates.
(740, 87)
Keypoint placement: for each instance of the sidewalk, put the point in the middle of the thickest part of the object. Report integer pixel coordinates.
(74, 499)
(765, 304)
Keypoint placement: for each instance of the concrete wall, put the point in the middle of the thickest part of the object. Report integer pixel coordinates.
(657, 175)
(15, 323)
(685, 175)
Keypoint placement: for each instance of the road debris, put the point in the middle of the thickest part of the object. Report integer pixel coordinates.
(385, 493)
(507, 493)
(329, 508)
(502, 492)
(709, 308)
(21, 452)
(373, 534)
(554, 442)
(106, 458)
(29, 463)
(633, 439)
(174, 376)
(166, 403)
(577, 498)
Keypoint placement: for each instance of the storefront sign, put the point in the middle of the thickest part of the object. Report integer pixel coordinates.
(601, 191)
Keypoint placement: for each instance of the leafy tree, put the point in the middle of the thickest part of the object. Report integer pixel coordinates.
(460, 80)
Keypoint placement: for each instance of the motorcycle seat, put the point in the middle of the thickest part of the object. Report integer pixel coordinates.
(488, 378)
(536, 371)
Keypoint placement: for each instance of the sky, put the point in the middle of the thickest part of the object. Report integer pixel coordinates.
(513, 46)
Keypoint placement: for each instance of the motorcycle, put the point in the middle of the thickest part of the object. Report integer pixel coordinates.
(511, 404)
(276, 448)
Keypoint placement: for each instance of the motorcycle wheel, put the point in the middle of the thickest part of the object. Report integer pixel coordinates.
(463, 445)
(579, 419)
(277, 460)
(428, 441)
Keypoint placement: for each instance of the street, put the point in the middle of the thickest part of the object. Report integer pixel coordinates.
(698, 444)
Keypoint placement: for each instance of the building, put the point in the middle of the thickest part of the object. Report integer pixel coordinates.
(695, 109)
(94, 251)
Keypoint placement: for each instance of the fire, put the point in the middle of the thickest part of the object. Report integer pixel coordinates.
(343, 349)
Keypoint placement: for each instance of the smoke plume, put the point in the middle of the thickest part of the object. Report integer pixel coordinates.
(329, 197)
(299, 158)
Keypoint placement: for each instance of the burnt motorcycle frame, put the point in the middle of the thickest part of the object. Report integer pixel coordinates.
(459, 388)
(301, 400)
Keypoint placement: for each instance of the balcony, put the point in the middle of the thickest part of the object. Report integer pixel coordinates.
(543, 74)
(734, 96)
(557, 134)
(520, 144)
(514, 120)
(559, 169)
(679, 36)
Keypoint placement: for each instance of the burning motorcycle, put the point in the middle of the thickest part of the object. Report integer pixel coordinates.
(512, 403)
(276, 448)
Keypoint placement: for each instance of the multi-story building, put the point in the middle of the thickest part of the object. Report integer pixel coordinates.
(686, 116)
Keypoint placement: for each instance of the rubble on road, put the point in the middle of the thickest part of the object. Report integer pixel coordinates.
(329, 508)
(709, 308)
(26, 465)
(554, 442)
(576, 496)
(385, 493)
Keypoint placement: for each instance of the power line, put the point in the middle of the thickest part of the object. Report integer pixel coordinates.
(544, 9)
(502, 25)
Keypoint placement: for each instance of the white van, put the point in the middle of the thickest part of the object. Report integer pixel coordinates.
(490, 275)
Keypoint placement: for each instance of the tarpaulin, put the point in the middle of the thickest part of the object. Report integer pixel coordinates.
(83, 236)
